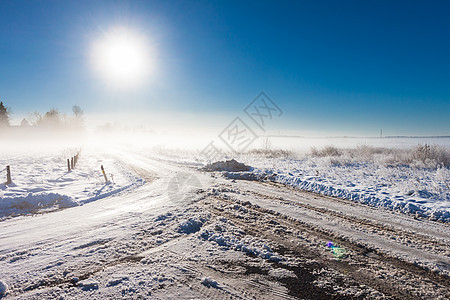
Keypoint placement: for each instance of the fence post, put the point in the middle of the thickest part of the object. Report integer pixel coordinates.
(71, 163)
(8, 175)
(104, 174)
(68, 165)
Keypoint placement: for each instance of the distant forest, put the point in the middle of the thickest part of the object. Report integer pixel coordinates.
(52, 119)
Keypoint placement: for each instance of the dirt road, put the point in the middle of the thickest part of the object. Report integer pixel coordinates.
(214, 237)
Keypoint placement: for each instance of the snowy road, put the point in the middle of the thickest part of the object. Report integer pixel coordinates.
(213, 237)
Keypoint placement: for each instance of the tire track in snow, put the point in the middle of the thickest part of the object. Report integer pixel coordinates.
(361, 254)
(412, 239)
(428, 245)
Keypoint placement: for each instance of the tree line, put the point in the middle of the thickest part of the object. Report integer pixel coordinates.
(52, 119)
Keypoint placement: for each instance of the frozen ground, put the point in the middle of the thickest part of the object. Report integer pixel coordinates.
(41, 181)
(424, 192)
(171, 230)
(408, 177)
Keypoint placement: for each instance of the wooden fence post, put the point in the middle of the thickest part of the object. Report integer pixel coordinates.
(104, 174)
(8, 175)
(71, 163)
(68, 165)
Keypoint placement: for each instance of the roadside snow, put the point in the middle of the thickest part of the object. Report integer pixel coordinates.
(42, 183)
(422, 192)
(418, 191)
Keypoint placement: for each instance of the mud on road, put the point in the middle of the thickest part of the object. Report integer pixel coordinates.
(362, 272)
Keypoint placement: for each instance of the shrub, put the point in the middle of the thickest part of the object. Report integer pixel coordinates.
(272, 153)
(421, 156)
(431, 156)
(326, 151)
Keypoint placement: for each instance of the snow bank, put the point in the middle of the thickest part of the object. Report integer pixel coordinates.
(32, 203)
(423, 192)
(420, 202)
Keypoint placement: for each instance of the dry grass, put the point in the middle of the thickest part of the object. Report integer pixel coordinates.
(420, 156)
(272, 153)
(326, 151)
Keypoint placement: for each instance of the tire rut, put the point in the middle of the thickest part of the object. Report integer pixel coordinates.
(408, 238)
(362, 257)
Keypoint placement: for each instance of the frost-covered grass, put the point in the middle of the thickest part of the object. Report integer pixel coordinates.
(420, 156)
(411, 179)
(414, 180)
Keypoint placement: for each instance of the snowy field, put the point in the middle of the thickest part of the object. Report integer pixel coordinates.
(411, 175)
(408, 175)
(41, 181)
(164, 226)
(373, 176)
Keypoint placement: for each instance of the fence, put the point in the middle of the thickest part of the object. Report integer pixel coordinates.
(71, 164)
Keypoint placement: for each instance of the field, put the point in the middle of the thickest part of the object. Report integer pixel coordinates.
(334, 221)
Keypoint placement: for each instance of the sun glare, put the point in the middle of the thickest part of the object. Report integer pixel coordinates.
(122, 58)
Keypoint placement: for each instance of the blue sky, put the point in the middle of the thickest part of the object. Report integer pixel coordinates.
(334, 67)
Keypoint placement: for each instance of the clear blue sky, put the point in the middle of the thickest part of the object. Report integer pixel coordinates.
(340, 67)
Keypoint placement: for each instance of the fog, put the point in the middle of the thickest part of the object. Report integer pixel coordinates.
(182, 132)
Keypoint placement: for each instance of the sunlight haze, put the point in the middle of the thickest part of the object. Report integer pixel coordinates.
(122, 57)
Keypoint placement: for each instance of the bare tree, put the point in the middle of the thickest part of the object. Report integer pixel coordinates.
(77, 111)
(24, 123)
(34, 119)
(4, 115)
(51, 119)
(79, 120)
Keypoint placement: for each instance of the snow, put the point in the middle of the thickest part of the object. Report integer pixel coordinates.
(209, 282)
(138, 237)
(414, 181)
(227, 236)
(42, 183)
(191, 225)
(389, 173)
(3, 288)
(118, 279)
(282, 273)
(418, 191)
(88, 284)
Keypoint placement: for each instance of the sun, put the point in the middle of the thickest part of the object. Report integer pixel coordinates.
(122, 58)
